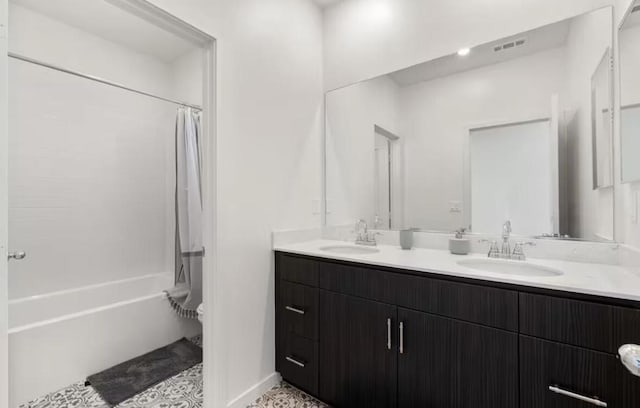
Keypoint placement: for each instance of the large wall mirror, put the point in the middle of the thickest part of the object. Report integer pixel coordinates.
(629, 42)
(518, 129)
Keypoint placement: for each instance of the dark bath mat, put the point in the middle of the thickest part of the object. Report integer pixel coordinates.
(125, 380)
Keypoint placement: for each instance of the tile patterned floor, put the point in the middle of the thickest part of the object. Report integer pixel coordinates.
(181, 391)
(286, 396)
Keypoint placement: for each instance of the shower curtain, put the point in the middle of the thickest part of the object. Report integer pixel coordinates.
(186, 295)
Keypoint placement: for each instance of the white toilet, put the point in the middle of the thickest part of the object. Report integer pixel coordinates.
(200, 311)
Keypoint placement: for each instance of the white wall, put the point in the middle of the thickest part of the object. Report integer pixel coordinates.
(352, 113)
(436, 117)
(40, 37)
(186, 77)
(591, 212)
(269, 142)
(367, 38)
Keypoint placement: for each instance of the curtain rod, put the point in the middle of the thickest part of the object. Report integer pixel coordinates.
(100, 80)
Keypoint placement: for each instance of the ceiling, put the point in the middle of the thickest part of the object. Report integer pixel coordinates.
(326, 3)
(112, 23)
(543, 38)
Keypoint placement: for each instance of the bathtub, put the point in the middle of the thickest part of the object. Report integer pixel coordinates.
(60, 338)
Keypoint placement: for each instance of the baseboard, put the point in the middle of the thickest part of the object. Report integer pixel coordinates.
(252, 394)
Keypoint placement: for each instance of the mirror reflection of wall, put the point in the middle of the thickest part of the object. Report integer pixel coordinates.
(503, 132)
(629, 41)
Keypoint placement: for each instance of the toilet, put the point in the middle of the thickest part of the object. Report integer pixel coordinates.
(200, 311)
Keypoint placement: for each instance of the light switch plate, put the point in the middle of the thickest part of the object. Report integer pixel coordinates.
(455, 206)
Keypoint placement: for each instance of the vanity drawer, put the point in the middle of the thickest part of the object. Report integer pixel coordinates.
(366, 283)
(297, 362)
(567, 369)
(472, 303)
(298, 306)
(568, 321)
(298, 270)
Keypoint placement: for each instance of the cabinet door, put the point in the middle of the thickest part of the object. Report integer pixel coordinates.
(453, 364)
(358, 354)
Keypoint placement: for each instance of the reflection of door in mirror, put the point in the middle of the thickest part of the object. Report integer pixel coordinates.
(382, 159)
(511, 177)
(385, 179)
(630, 133)
(601, 123)
(629, 43)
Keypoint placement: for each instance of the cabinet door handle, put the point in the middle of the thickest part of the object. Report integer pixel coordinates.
(294, 310)
(294, 361)
(401, 337)
(388, 334)
(594, 401)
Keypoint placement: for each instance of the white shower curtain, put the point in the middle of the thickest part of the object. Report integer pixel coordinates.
(186, 295)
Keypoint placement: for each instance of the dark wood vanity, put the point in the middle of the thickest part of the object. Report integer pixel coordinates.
(355, 335)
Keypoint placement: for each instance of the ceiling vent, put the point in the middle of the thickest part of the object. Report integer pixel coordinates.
(508, 45)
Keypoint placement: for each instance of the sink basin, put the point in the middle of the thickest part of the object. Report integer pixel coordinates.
(507, 267)
(350, 249)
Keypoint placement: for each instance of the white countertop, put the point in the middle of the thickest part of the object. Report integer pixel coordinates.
(588, 278)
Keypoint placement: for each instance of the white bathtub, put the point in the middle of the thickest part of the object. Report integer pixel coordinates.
(60, 338)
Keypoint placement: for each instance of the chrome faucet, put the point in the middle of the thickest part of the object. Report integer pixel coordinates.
(505, 251)
(506, 235)
(363, 236)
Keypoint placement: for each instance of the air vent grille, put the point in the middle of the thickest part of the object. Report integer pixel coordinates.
(509, 45)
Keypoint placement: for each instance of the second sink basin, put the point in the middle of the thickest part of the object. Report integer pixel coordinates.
(350, 249)
(507, 267)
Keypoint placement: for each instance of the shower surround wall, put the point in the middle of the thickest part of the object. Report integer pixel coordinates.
(92, 166)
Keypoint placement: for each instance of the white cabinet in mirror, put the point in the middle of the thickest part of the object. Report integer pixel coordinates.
(504, 132)
(629, 43)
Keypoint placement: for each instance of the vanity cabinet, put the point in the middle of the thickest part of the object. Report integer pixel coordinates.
(356, 335)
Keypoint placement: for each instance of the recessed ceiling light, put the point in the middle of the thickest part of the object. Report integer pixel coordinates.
(464, 51)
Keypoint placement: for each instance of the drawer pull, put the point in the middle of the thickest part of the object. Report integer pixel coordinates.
(401, 337)
(594, 401)
(388, 334)
(294, 310)
(294, 361)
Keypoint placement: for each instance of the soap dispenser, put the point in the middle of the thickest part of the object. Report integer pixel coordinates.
(459, 245)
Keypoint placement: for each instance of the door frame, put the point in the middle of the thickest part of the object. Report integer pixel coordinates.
(4, 212)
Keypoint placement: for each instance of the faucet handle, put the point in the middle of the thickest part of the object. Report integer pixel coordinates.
(494, 251)
(518, 251)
